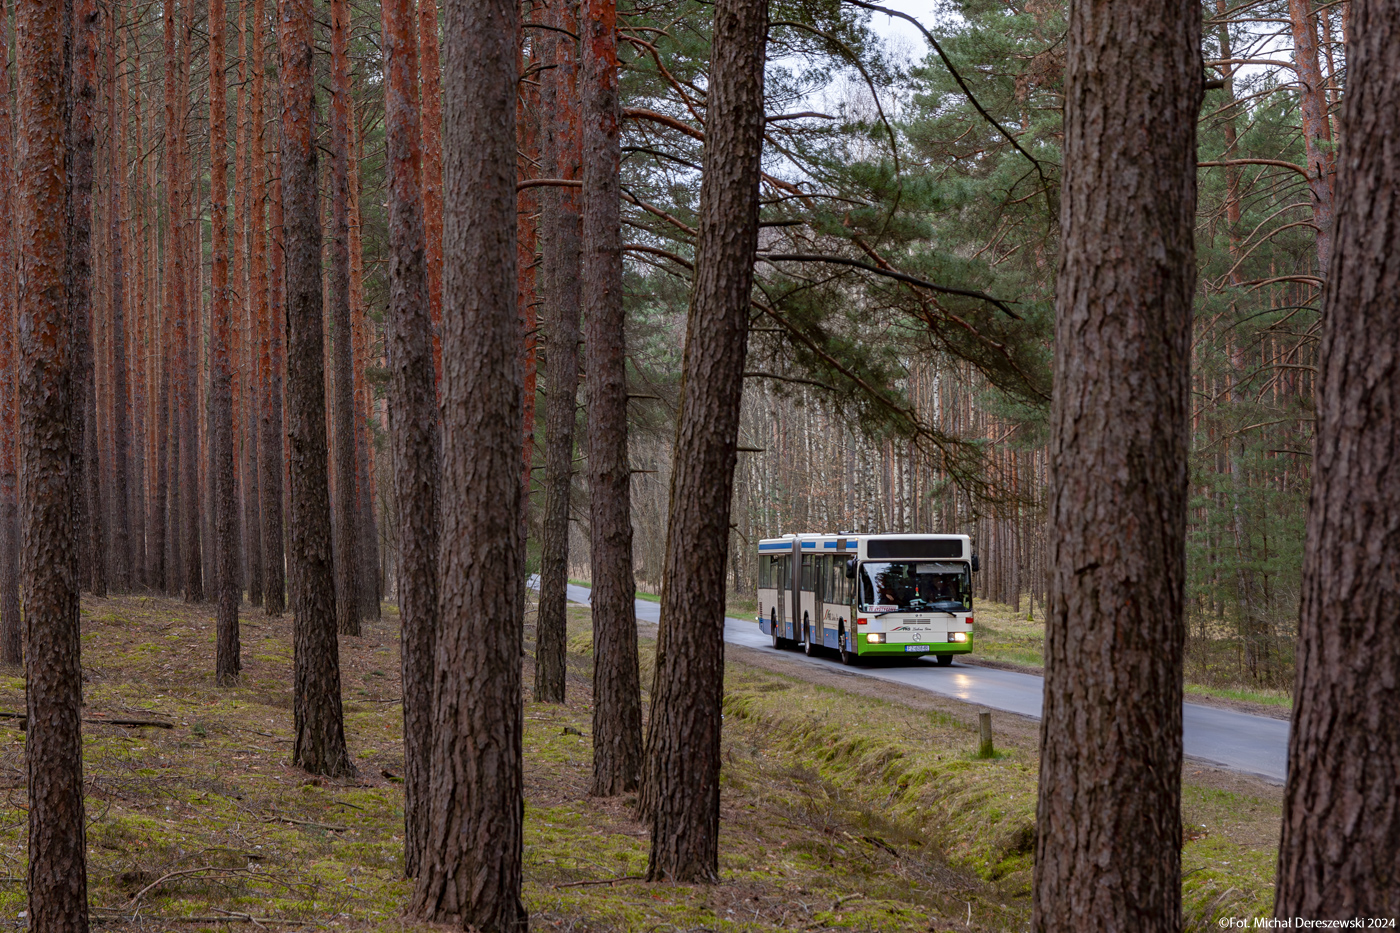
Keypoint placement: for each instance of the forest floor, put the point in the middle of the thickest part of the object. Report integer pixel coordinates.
(860, 808)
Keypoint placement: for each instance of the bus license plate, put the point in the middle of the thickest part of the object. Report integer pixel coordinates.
(914, 648)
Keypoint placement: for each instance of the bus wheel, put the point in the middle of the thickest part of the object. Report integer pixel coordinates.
(807, 646)
(778, 642)
(848, 657)
(944, 660)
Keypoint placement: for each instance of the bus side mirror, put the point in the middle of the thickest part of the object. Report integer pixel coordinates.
(974, 563)
(851, 569)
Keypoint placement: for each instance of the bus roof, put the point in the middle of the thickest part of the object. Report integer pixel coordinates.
(886, 544)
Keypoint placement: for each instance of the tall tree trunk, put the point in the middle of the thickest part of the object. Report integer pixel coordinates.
(160, 570)
(320, 725)
(191, 499)
(250, 426)
(11, 625)
(81, 100)
(268, 259)
(57, 882)
(413, 423)
(560, 222)
(1108, 850)
(228, 661)
(1340, 852)
(1317, 129)
(123, 556)
(174, 278)
(527, 234)
(471, 871)
(683, 741)
(617, 707)
(347, 520)
(430, 101)
(369, 542)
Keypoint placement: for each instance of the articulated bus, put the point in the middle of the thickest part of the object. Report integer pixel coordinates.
(868, 595)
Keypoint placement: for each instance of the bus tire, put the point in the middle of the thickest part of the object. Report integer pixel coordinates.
(778, 642)
(807, 647)
(848, 657)
(944, 660)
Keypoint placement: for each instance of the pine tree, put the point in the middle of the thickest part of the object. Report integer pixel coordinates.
(347, 518)
(1108, 850)
(413, 421)
(617, 708)
(684, 738)
(1339, 857)
(560, 222)
(228, 582)
(320, 724)
(471, 873)
(57, 883)
(11, 625)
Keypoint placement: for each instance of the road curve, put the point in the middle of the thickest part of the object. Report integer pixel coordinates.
(1236, 741)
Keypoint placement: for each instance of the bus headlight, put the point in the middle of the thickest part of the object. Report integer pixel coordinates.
(958, 636)
(874, 639)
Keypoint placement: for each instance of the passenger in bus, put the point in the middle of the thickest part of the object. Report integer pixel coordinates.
(887, 594)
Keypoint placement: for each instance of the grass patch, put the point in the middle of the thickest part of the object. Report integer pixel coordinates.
(1011, 637)
(1282, 699)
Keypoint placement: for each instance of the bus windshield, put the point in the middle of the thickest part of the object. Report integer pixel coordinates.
(915, 586)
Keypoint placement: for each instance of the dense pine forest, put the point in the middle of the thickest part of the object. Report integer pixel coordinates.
(332, 326)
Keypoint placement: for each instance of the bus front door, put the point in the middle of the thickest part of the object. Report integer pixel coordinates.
(783, 583)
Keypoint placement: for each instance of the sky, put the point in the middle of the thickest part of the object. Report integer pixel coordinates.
(903, 39)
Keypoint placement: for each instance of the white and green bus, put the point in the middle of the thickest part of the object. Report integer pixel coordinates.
(868, 595)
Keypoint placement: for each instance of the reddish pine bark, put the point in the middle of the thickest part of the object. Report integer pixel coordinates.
(471, 874)
(57, 883)
(684, 737)
(250, 429)
(413, 421)
(123, 557)
(347, 519)
(1339, 857)
(364, 492)
(139, 300)
(1317, 129)
(320, 727)
(228, 660)
(267, 266)
(191, 497)
(560, 222)
(11, 626)
(1108, 849)
(174, 323)
(617, 708)
(430, 99)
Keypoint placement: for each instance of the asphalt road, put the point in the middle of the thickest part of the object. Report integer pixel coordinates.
(1237, 741)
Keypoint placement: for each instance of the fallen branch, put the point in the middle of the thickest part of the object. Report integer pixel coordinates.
(287, 819)
(154, 723)
(580, 884)
(22, 718)
(179, 874)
